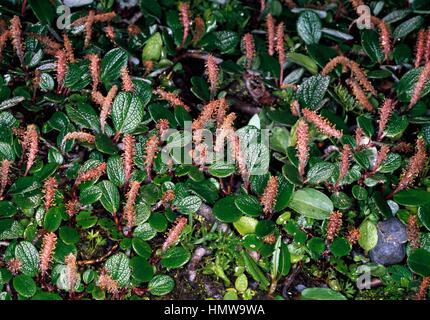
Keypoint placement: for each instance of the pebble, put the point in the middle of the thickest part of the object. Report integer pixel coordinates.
(390, 248)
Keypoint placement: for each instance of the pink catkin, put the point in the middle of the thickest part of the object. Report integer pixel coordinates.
(162, 126)
(268, 199)
(110, 33)
(381, 156)
(334, 225)
(151, 150)
(184, 14)
(322, 124)
(174, 233)
(91, 174)
(427, 50)
(129, 208)
(415, 166)
(212, 73)
(270, 26)
(423, 289)
(420, 48)
(419, 87)
(384, 116)
(128, 156)
(384, 36)
(72, 207)
(4, 178)
(248, 43)
(171, 98)
(302, 145)
(105, 103)
(33, 147)
(49, 187)
(68, 46)
(14, 266)
(385, 39)
(61, 68)
(344, 163)
(127, 84)
(357, 72)
(72, 271)
(94, 70)
(80, 136)
(106, 282)
(281, 51)
(224, 131)
(360, 95)
(16, 35)
(359, 133)
(47, 251)
(89, 28)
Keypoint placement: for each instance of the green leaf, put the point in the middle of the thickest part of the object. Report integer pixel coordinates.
(412, 197)
(424, 215)
(221, 170)
(226, 211)
(110, 196)
(29, 257)
(200, 88)
(254, 270)
(320, 172)
(224, 41)
(86, 220)
(309, 27)
(370, 43)
(285, 193)
(104, 144)
(112, 63)
(152, 49)
(407, 27)
(189, 204)
(161, 285)
(340, 247)
(281, 260)
(43, 10)
(7, 209)
(245, 225)
(241, 283)
(77, 76)
(368, 235)
(69, 235)
(145, 232)
(141, 247)
(302, 60)
(115, 170)
(321, 294)
(279, 139)
(391, 163)
(312, 91)
(249, 205)
(24, 285)
(316, 245)
(311, 203)
(119, 269)
(90, 194)
(175, 257)
(53, 219)
(142, 270)
(419, 262)
(127, 112)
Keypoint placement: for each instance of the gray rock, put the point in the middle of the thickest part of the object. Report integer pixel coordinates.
(390, 248)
